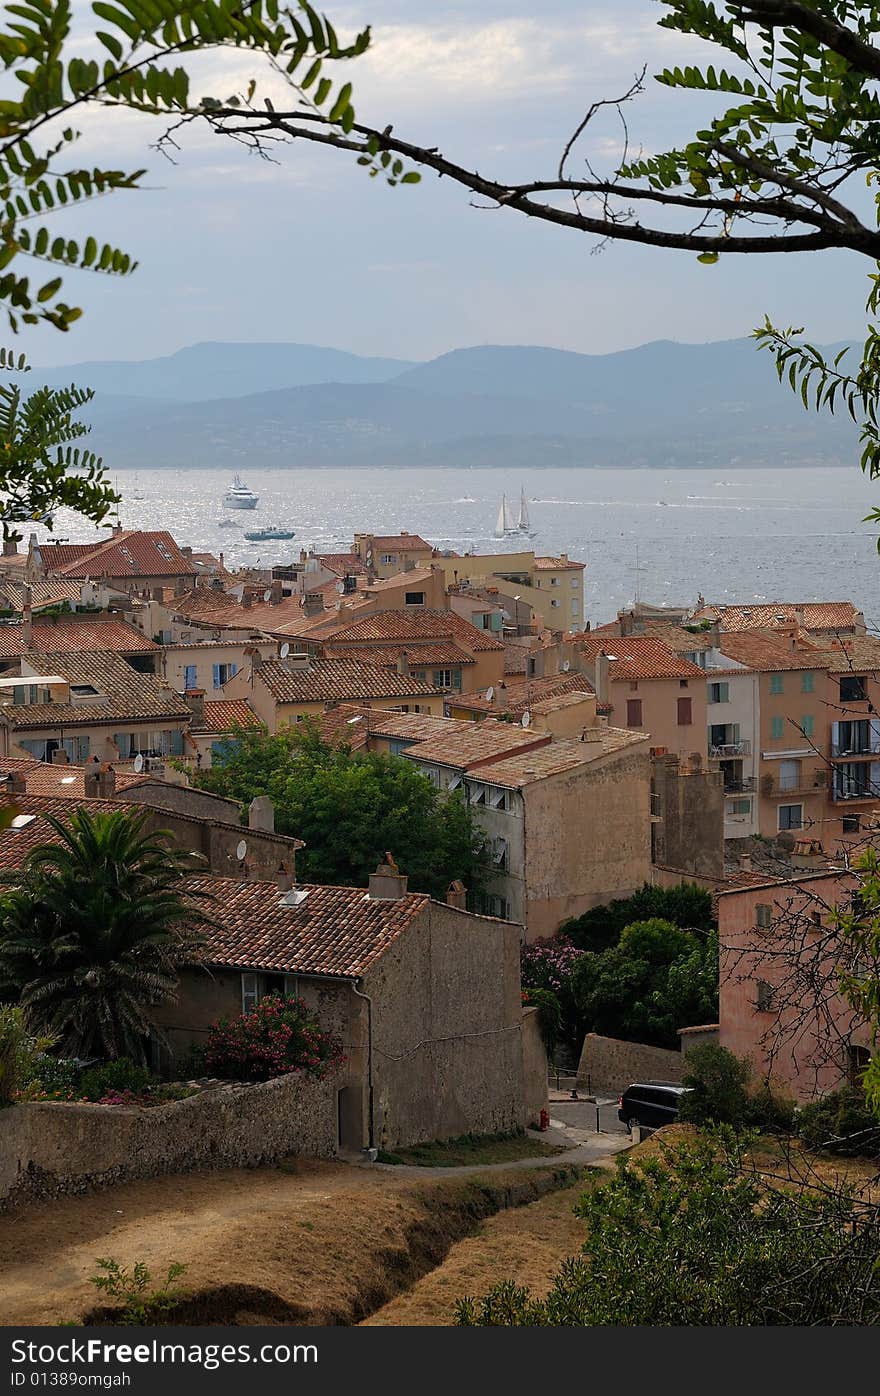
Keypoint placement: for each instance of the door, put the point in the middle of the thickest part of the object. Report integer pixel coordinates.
(350, 1126)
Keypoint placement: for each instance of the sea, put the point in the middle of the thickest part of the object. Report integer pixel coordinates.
(731, 535)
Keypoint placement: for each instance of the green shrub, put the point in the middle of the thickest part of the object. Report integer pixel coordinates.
(12, 1039)
(113, 1078)
(686, 905)
(44, 1077)
(549, 1014)
(130, 1287)
(770, 1112)
(839, 1123)
(717, 1081)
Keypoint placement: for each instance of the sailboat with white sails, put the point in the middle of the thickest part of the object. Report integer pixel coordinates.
(511, 526)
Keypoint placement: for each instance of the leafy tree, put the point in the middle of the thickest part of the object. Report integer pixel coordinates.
(717, 1080)
(658, 978)
(94, 931)
(693, 1236)
(40, 470)
(687, 905)
(352, 807)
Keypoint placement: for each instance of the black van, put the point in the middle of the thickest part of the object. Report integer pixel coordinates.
(651, 1103)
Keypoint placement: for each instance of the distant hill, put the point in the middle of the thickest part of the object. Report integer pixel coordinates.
(662, 404)
(214, 371)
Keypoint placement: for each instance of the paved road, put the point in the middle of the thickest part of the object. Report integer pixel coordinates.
(581, 1115)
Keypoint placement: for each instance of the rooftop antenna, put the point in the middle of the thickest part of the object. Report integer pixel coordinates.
(638, 571)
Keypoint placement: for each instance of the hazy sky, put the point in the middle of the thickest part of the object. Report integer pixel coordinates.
(312, 250)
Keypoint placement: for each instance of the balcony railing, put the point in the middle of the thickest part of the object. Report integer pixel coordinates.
(806, 785)
(740, 787)
(858, 753)
(731, 749)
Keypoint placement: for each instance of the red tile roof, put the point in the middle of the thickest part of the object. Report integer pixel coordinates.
(122, 694)
(419, 656)
(636, 657)
(523, 694)
(558, 564)
(407, 542)
(769, 653)
(50, 591)
(131, 553)
(65, 782)
(338, 680)
(413, 625)
(337, 931)
(70, 634)
(343, 564)
(812, 615)
(561, 755)
(222, 714)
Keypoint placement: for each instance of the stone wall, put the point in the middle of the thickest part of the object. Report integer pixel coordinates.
(534, 1066)
(690, 803)
(47, 1150)
(611, 1064)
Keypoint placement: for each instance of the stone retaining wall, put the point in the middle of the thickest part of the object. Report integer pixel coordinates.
(47, 1150)
(612, 1064)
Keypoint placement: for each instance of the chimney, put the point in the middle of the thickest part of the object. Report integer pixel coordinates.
(745, 862)
(403, 664)
(222, 562)
(456, 895)
(116, 529)
(16, 784)
(157, 593)
(27, 619)
(256, 657)
(276, 592)
(195, 701)
(10, 547)
(601, 680)
(591, 734)
(261, 814)
(187, 551)
(695, 763)
(502, 697)
(99, 782)
(246, 599)
(387, 883)
(313, 603)
(298, 663)
(626, 622)
(60, 757)
(285, 878)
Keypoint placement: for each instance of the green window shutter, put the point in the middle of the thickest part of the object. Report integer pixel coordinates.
(777, 728)
(776, 683)
(808, 723)
(807, 682)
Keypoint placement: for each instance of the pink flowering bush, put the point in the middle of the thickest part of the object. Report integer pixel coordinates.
(547, 964)
(273, 1039)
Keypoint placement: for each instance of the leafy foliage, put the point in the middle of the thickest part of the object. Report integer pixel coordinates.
(275, 1038)
(840, 1123)
(657, 979)
(687, 905)
(549, 1014)
(94, 930)
(352, 807)
(129, 1285)
(12, 1038)
(717, 1080)
(546, 967)
(134, 58)
(692, 1236)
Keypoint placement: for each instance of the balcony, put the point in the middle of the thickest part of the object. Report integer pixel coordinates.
(808, 784)
(730, 749)
(740, 787)
(862, 752)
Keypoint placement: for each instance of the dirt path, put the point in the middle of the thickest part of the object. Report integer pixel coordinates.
(307, 1242)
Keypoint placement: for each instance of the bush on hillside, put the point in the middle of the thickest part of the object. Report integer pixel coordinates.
(275, 1038)
(717, 1080)
(840, 1123)
(600, 928)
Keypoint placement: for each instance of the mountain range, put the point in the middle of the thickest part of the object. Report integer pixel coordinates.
(663, 404)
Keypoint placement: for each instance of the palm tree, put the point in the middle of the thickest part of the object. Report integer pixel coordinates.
(94, 930)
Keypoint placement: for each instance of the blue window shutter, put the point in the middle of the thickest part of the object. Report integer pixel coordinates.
(190, 676)
(176, 742)
(233, 670)
(216, 671)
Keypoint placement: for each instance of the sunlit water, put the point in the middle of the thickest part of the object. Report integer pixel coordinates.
(747, 535)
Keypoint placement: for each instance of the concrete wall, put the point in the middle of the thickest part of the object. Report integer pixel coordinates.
(698, 1037)
(610, 1065)
(50, 1149)
(204, 656)
(447, 1030)
(690, 834)
(535, 1077)
(587, 838)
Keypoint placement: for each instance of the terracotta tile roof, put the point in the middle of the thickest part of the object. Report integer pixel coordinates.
(16, 844)
(337, 931)
(677, 638)
(558, 564)
(766, 652)
(400, 579)
(515, 659)
(58, 555)
(63, 782)
(559, 756)
(527, 693)
(853, 653)
(131, 553)
(466, 745)
(222, 714)
(335, 680)
(816, 615)
(343, 564)
(72, 634)
(406, 542)
(218, 610)
(127, 694)
(50, 592)
(419, 655)
(637, 657)
(413, 625)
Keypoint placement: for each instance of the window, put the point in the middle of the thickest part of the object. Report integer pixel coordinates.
(388, 559)
(454, 783)
(851, 823)
(764, 999)
(497, 798)
(222, 673)
(250, 992)
(853, 689)
(807, 679)
(684, 712)
(478, 795)
(574, 606)
(740, 807)
(776, 685)
(763, 916)
(414, 598)
(719, 693)
(682, 683)
(808, 724)
(442, 678)
(851, 737)
(190, 676)
(789, 775)
(633, 712)
(554, 581)
(852, 781)
(397, 745)
(859, 1059)
(633, 688)
(420, 675)
(500, 854)
(490, 905)
(555, 601)
(791, 817)
(574, 582)
(777, 728)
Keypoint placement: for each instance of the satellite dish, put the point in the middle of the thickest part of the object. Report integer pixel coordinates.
(526, 718)
(285, 650)
(241, 850)
(566, 666)
(490, 694)
(340, 587)
(139, 763)
(267, 595)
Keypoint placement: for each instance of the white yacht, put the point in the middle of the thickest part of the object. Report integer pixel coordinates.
(523, 523)
(238, 496)
(510, 525)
